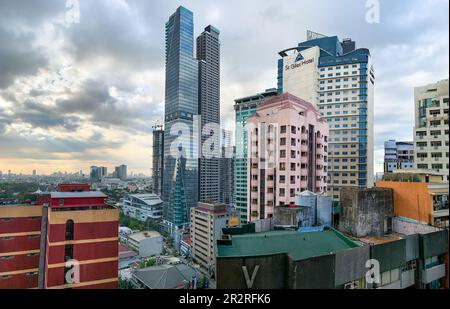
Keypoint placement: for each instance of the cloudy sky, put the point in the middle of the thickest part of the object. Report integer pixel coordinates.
(75, 94)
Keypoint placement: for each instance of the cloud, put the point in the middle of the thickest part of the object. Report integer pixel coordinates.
(90, 91)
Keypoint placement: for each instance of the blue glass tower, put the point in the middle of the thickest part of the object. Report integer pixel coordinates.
(181, 109)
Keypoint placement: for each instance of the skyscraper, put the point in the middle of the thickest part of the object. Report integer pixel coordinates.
(244, 108)
(181, 129)
(431, 127)
(121, 172)
(208, 56)
(338, 79)
(158, 159)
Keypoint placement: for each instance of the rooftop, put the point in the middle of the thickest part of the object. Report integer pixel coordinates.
(165, 276)
(297, 245)
(77, 194)
(149, 198)
(144, 235)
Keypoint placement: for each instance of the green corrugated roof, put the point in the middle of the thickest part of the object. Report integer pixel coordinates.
(297, 245)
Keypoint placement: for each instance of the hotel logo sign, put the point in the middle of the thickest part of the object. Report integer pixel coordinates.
(300, 61)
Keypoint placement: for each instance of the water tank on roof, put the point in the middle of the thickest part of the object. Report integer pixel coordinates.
(306, 199)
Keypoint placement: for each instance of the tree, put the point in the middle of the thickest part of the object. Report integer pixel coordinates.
(125, 284)
(147, 263)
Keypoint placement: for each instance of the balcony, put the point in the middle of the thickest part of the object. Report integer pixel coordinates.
(433, 274)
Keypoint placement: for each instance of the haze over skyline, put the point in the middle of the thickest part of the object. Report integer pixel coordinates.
(87, 93)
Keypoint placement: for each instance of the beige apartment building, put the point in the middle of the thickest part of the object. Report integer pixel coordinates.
(207, 222)
(431, 127)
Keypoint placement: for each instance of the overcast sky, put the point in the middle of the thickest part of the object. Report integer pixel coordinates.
(74, 95)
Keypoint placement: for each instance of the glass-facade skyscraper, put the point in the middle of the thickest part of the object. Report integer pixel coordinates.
(181, 127)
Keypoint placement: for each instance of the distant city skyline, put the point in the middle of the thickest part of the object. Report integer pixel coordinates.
(65, 104)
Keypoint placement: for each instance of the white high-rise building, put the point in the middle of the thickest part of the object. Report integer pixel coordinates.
(339, 80)
(431, 127)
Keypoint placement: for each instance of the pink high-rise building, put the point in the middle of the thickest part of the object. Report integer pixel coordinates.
(287, 154)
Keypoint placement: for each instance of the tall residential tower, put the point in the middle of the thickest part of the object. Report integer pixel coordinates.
(431, 127)
(287, 154)
(244, 108)
(208, 56)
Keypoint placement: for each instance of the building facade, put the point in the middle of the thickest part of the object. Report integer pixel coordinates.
(431, 127)
(226, 179)
(338, 79)
(121, 172)
(143, 207)
(98, 173)
(287, 154)
(208, 56)
(398, 156)
(415, 257)
(244, 108)
(181, 107)
(207, 221)
(147, 243)
(419, 200)
(67, 240)
(158, 160)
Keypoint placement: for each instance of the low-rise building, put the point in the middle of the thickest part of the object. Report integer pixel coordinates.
(207, 222)
(413, 256)
(310, 210)
(417, 198)
(147, 243)
(164, 277)
(142, 207)
(67, 239)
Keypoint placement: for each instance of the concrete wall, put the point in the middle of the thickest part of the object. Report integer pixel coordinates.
(313, 273)
(366, 212)
(324, 210)
(433, 244)
(404, 227)
(412, 247)
(411, 199)
(271, 272)
(350, 265)
(390, 255)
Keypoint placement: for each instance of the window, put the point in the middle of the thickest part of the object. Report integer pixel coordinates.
(69, 229)
(68, 253)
